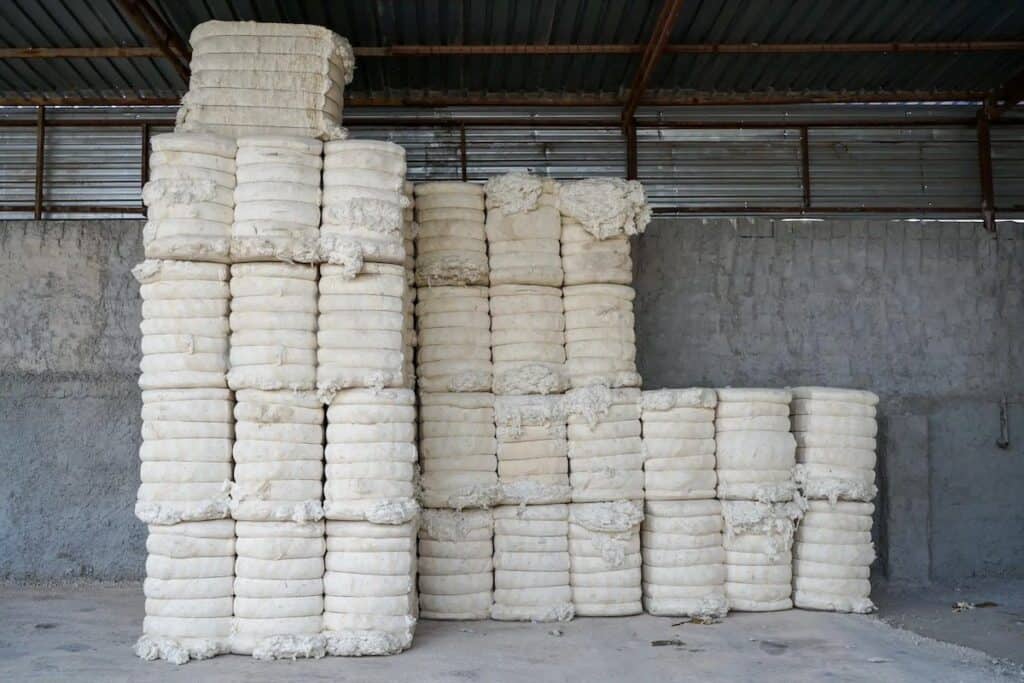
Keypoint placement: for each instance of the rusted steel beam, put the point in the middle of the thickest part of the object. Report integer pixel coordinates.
(144, 159)
(632, 170)
(73, 208)
(37, 209)
(800, 211)
(652, 53)
(1005, 98)
(463, 155)
(35, 100)
(988, 199)
(149, 22)
(78, 52)
(805, 166)
(691, 49)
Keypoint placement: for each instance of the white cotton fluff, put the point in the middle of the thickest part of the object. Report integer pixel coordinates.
(754, 450)
(456, 564)
(363, 204)
(370, 602)
(458, 450)
(255, 78)
(679, 444)
(531, 563)
(277, 199)
(604, 558)
(189, 197)
(451, 249)
(832, 556)
(835, 431)
(683, 559)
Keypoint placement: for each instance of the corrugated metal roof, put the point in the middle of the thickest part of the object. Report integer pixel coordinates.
(54, 23)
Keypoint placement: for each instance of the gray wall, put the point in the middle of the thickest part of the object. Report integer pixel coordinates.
(928, 315)
(69, 405)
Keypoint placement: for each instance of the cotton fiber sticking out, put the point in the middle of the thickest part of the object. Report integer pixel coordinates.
(533, 463)
(184, 324)
(370, 603)
(189, 197)
(454, 337)
(759, 554)
(456, 564)
(679, 444)
(186, 455)
(361, 328)
(835, 435)
(450, 245)
(528, 339)
(605, 450)
(273, 326)
(523, 229)
(683, 559)
(189, 586)
(458, 450)
(531, 563)
(600, 344)
(371, 456)
(278, 456)
(277, 200)
(363, 204)
(604, 556)
(832, 557)
(598, 217)
(252, 78)
(754, 449)
(279, 585)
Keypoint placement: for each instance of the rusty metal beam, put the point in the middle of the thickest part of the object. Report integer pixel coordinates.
(148, 21)
(818, 210)
(37, 210)
(988, 199)
(805, 166)
(1006, 97)
(78, 52)
(74, 208)
(652, 53)
(691, 49)
(632, 162)
(463, 154)
(144, 159)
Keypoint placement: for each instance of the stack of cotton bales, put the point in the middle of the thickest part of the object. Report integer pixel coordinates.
(409, 306)
(604, 558)
(597, 217)
(187, 434)
(189, 197)
(684, 570)
(531, 563)
(372, 516)
(363, 204)
(605, 451)
(756, 456)
(277, 199)
(835, 434)
(455, 564)
(252, 78)
(277, 490)
(533, 463)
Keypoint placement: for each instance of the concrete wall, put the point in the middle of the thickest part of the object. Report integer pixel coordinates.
(69, 404)
(928, 315)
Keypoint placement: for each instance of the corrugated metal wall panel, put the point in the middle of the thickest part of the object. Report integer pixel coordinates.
(922, 166)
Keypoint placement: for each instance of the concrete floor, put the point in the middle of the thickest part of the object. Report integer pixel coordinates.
(86, 633)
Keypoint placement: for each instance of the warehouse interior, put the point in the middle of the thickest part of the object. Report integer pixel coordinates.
(837, 192)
